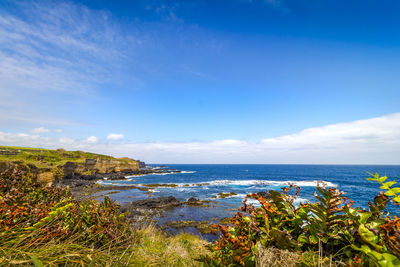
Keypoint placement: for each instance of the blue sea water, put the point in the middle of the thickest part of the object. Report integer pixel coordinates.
(206, 181)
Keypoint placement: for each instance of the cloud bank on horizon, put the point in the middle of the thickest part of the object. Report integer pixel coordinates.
(369, 141)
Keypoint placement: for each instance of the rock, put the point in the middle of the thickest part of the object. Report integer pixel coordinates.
(154, 203)
(192, 200)
(196, 202)
(140, 211)
(224, 195)
(264, 195)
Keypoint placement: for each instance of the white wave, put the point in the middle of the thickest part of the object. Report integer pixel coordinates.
(300, 199)
(188, 172)
(251, 183)
(103, 182)
(269, 182)
(153, 191)
(256, 203)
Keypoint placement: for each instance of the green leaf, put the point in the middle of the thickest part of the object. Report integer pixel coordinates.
(387, 185)
(313, 239)
(382, 179)
(367, 235)
(390, 192)
(302, 239)
(247, 219)
(395, 190)
(364, 217)
(397, 199)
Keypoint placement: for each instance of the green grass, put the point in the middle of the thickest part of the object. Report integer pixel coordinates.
(47, 158)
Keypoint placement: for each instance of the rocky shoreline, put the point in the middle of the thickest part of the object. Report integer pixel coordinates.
(147, 210)
(83, 186)
(143, 210)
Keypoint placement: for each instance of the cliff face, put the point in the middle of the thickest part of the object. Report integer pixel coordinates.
(55, 165)
(96, 167)
(90, 169)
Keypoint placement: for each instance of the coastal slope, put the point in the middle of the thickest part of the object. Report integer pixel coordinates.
(50, 166)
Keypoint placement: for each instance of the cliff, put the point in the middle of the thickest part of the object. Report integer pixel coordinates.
(94, 168)
(53, 165)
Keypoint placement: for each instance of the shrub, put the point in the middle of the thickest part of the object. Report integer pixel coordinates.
(47, 226)
(329, 228)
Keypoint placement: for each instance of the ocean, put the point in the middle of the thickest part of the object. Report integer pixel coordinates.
(205, 181)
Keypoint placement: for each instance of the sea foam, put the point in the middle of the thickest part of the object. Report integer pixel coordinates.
(269, 182)
(243, 183)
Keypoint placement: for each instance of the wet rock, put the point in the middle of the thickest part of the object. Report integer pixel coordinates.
(154, 203)
(196, 202)
(144, 210)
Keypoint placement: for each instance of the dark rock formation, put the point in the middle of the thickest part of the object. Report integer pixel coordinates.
(153, 203)
(142, 165)
(192, 200)
(140, 211)
(197, 202)
(265, 195)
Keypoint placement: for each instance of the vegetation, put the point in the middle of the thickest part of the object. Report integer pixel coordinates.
(202, 226)
(327, 232)
(43, 158)
(46, 226)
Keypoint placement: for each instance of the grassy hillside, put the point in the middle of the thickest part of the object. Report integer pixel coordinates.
(48, 165)
(46, 157)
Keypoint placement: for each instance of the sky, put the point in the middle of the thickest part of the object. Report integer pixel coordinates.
(198, 81)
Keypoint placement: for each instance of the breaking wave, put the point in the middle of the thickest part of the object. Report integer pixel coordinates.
(269, 182)
(314, 183)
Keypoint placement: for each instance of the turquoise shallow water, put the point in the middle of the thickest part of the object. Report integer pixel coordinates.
(205, 181)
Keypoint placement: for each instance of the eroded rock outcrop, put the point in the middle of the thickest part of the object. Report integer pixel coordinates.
(99, 168)
(89, 169)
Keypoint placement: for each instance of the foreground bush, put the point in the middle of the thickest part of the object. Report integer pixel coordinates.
(327, 232)
(46, 226)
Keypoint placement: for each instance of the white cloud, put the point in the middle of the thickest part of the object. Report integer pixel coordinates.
(66, 141)
(114, 136)
(40, 130)
(370, 141)
(92, 139)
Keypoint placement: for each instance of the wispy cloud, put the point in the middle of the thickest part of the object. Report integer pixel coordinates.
(370, 141)
(40, 130)
(56, 49)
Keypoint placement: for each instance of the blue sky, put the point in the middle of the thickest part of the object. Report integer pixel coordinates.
(204, 81)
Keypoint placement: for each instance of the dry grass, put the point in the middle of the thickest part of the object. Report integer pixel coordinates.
(46, 226)
(149, 247)
(156, 249)
(271, 257)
